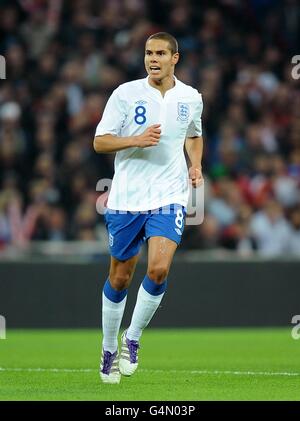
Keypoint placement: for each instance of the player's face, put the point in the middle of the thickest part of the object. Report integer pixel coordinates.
(159, 60)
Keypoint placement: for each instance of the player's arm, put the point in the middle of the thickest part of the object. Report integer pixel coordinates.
(194, 144)
(194, 149)
(109, 143)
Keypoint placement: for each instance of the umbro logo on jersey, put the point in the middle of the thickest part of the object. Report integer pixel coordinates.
(183, 110)
(111, 240)
(140, 102)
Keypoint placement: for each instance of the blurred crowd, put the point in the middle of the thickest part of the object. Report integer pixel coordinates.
(64, 58)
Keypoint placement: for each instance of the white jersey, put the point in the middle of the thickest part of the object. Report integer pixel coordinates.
(148, 178)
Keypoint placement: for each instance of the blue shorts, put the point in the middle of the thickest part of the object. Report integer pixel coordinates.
(127, 231)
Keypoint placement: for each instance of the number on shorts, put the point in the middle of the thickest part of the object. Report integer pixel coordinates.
(179, 218)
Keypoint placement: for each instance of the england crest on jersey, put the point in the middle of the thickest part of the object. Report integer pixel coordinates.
(183, 111)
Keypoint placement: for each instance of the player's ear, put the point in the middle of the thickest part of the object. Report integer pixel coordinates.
(175, 58)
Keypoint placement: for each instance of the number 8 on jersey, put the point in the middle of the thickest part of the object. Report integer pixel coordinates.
(140, 117)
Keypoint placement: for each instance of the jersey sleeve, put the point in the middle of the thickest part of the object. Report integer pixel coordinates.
(195, 126)
(113, 117)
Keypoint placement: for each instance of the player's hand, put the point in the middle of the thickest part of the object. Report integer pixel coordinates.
(196, 177)
(150, 137)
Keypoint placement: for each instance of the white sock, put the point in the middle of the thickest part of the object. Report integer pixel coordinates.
(145, 307)
(112, 314)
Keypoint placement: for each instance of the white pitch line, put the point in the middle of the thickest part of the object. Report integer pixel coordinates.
(236, 373)
(199, 372)
(50, 370)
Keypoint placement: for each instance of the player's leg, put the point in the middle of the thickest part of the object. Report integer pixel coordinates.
(164, 230)
(125, 238)
(160, 254)
(114, 297)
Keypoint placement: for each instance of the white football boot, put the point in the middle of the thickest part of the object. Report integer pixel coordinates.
(129, 355)
(109, 367)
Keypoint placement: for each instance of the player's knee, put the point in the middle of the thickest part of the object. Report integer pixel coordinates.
(158, 274)
(119, 281)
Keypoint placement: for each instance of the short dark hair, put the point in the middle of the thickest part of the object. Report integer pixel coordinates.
(166, 37)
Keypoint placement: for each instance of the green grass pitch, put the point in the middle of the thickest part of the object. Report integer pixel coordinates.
(178, 364)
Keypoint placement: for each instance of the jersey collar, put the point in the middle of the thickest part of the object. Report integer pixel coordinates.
(156, 91)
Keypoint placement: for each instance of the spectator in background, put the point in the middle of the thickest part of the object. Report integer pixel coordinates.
(225, 203)
(57, 229)
(271, 230)
(36, 32)
(286, 188)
